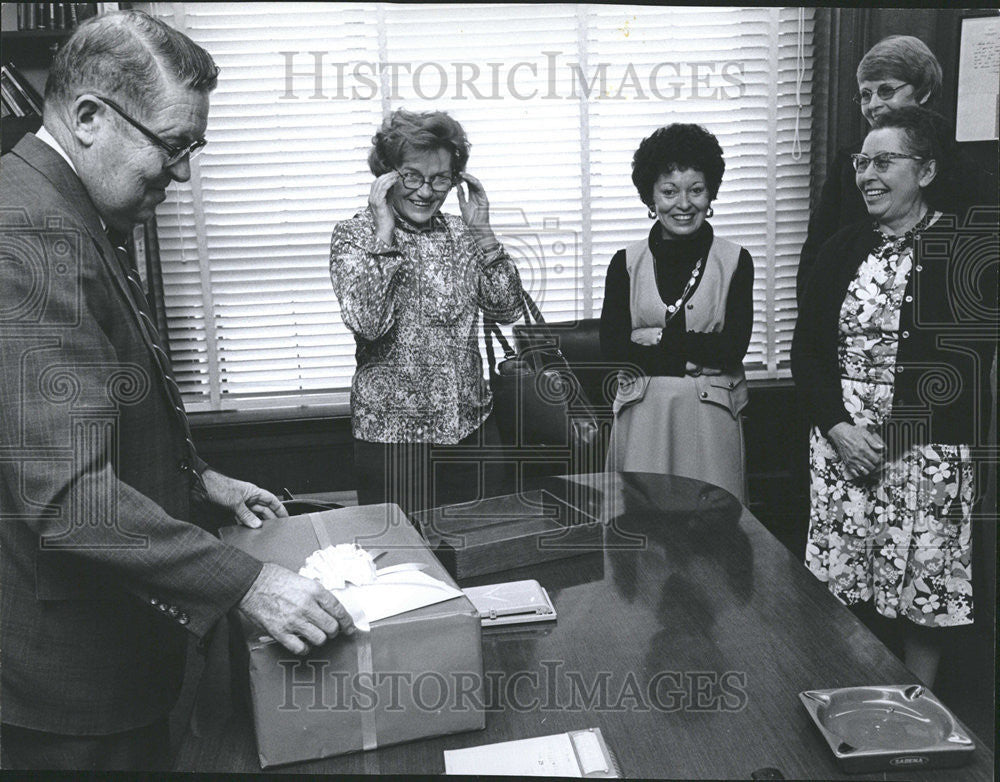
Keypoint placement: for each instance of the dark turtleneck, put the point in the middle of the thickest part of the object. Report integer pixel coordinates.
(674, 260)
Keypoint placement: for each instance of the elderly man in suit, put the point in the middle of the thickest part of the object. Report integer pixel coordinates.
(103, 575)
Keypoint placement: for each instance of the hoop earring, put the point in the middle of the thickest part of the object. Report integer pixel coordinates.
(651, 213)
(710, 212)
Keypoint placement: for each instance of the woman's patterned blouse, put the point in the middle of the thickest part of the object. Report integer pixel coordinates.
(413, 309)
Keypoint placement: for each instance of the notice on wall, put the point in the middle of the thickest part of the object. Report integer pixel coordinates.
(977, 117)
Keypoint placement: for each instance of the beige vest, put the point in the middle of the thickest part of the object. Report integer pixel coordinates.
(704, 311)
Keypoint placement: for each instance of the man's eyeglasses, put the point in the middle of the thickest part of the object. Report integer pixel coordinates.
(884, 92)
(882, 161)
(440, 183)
(174, 154)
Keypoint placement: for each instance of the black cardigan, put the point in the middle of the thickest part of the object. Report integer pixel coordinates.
(948, 328)
(840, 204)
(965, 184)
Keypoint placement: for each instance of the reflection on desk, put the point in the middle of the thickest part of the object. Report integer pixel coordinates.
(686, 641)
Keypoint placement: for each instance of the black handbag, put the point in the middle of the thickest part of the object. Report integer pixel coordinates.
(537, 399)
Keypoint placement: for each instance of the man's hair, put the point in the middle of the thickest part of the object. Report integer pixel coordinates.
(407, 131)
(128, 56)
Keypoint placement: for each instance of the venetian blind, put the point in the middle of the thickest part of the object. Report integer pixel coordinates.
(735, 71)
(554, 98)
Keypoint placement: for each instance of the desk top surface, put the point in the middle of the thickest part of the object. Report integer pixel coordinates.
(686, 640)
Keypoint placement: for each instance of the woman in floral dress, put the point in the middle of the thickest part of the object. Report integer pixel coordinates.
(892, 360)
(411, 281)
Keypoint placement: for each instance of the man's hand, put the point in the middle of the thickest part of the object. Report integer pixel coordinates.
(647, 336)
(295, 611)
(861, 451)
(249, 504)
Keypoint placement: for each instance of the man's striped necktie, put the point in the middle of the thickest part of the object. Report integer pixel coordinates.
(138, 296)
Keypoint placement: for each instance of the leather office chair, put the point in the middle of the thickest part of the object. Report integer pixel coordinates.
(580, 343)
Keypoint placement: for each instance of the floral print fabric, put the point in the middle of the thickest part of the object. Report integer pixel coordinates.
(413, 309)
(901, 537)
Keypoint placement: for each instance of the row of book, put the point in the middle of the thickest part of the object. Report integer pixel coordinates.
(17, 97)
(53, 16)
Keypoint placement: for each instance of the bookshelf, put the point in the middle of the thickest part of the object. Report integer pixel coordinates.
(13, 36)
(31, 52)
(14, 128)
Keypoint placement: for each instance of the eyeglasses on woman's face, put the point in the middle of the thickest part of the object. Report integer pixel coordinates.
(413, 180)
(884, 92)
(881, 161)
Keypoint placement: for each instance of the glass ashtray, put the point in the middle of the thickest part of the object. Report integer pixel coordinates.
(888, 728)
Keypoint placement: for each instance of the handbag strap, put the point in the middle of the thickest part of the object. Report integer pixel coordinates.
(529, 303)
(528, 307)
(491, 329)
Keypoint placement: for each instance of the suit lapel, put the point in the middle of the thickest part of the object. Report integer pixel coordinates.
(51, 165)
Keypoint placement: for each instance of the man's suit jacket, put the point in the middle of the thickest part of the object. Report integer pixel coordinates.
(101, 571)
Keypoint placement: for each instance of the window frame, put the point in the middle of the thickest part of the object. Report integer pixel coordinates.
(338, 399)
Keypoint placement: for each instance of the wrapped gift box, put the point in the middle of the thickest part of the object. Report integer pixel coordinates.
(501, 533)
(415, 675)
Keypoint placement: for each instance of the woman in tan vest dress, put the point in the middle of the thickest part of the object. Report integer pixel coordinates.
(678, 313)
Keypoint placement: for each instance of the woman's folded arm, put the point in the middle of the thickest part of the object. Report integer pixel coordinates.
(722, 349)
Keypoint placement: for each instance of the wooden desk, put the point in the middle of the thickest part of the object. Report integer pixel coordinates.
(686, 640)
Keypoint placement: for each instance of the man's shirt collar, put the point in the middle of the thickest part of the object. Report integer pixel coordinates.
(45, 137)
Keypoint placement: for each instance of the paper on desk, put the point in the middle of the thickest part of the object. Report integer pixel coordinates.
(391, 594)
(577, 754)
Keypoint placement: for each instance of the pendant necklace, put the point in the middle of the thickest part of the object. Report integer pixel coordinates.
(673, 309)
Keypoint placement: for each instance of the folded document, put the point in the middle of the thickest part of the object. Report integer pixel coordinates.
(579, 753)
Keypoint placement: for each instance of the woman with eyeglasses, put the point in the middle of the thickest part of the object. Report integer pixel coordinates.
(897, 71)
(891, 356)
(411, 281)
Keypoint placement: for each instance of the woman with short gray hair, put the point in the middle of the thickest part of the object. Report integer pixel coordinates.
(411, 282)
(903, 58)
(893, 370)
(897, 71)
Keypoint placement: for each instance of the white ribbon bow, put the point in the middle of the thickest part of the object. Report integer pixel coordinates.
(368, 593)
